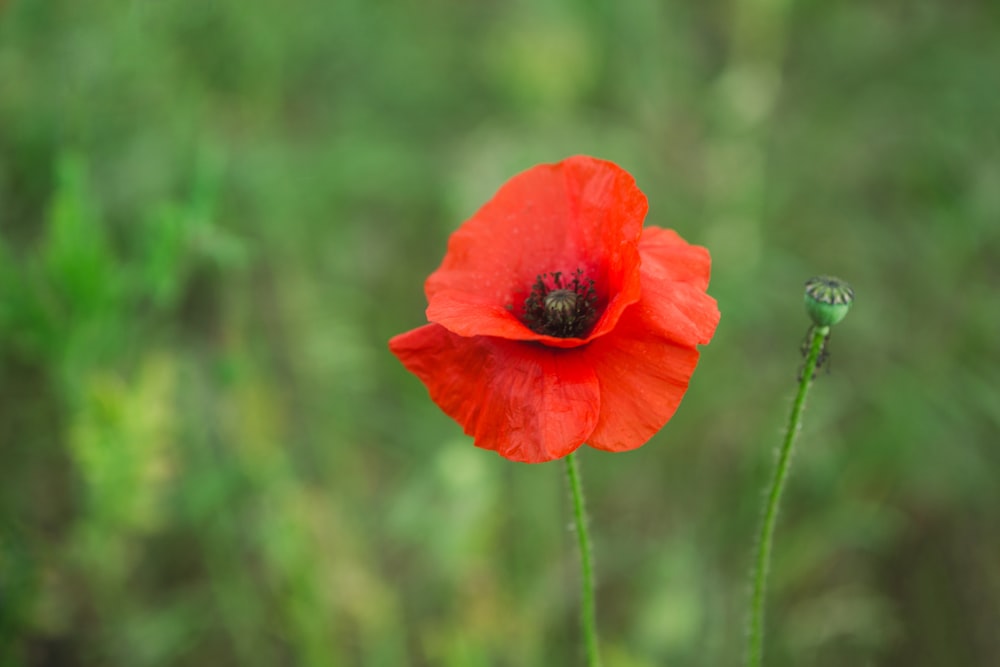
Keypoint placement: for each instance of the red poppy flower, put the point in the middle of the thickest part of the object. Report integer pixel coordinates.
(557, 320)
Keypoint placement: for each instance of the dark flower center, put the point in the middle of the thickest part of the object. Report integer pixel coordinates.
(561, 308)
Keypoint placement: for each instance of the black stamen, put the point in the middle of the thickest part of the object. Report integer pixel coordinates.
(565, 309)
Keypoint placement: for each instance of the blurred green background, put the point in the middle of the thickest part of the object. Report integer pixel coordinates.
(214, 214)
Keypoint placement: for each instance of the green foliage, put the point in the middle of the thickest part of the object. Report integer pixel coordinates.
(213, 216)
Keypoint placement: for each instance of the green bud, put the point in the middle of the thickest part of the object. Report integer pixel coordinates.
(827, 300)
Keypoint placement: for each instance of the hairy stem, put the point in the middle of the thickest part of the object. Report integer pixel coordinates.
(588, 615)
(766, 538)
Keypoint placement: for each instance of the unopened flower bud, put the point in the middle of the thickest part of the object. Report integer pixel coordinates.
(827, 300)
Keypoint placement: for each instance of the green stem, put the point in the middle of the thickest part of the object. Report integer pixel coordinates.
(588, 615)
(766, 537)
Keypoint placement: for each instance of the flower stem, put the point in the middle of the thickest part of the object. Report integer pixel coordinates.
(588, 615)
(766, 537)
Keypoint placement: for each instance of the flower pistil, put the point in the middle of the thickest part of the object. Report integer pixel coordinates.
(564, 309)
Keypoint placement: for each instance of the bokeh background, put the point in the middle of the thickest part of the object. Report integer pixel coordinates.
(214, 214)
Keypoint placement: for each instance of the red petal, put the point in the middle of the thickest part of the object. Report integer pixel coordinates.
(674, 277)
(643, 378)
(677, 311)
(526, 402)
(581, 213)
(644, 366)
(665, 254)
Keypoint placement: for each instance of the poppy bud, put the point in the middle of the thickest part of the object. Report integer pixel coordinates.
(827, 300)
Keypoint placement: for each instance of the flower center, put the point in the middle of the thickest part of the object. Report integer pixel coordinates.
(564, 309)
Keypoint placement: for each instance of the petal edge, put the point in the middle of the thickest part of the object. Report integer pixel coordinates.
(527, 402)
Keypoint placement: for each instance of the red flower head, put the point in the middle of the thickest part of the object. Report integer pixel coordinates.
(558, 320)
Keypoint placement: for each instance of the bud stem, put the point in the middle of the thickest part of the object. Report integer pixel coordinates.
(766, 537)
